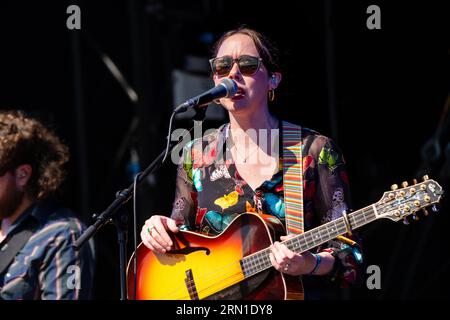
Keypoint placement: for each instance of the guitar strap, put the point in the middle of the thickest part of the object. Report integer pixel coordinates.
(293, 177)
(14, 244)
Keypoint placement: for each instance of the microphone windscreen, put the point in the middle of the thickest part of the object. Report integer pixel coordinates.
(230, 85)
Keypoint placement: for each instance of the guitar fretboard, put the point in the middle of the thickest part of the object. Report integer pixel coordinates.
(308, 240)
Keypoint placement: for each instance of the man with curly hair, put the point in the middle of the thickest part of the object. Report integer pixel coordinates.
(37, 258)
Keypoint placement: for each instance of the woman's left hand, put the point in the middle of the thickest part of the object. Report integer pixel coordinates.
(289, 262)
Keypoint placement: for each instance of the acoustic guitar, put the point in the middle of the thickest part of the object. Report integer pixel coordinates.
(235, 264)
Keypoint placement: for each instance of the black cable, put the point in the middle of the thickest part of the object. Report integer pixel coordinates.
(136, 177)
(135, 233)
(168, 136)
(169, 133)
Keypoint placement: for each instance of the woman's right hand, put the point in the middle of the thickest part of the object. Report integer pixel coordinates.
(154, 233)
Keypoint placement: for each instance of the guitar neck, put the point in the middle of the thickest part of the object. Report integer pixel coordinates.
(259, 261)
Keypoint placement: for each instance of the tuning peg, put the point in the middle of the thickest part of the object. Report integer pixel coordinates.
(434, 208)
(394, 187)
(414, 181)
(425, 177)
(404, 184)
(405, 221)
(415, 217)
(425, 212)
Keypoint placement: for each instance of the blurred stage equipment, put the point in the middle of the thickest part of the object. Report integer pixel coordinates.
(193, 78)
(436, 151)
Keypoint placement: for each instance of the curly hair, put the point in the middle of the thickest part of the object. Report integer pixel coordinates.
(24, 140)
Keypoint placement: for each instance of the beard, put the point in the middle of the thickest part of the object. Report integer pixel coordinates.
(10, 201)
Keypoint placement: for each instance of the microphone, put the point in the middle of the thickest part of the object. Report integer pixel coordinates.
(226, 88)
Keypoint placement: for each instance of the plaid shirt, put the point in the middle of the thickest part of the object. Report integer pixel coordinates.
(48, 267)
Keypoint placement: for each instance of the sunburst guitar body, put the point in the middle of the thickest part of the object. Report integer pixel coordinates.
(206, 267)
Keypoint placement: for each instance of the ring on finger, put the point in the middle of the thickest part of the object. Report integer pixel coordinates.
(286, 267)
(150, 229)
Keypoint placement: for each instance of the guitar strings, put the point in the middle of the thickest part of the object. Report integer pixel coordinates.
(222, 278)
(216, 273)
(357, 218)
(208, 276)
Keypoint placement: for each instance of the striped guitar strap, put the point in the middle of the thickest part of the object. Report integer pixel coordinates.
(293, 177)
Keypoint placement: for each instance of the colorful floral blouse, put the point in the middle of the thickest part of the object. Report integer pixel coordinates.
(210, 193)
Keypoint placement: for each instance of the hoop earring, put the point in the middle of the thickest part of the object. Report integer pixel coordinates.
(271, 95)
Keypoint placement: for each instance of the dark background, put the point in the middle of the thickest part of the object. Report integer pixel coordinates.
(380, 94)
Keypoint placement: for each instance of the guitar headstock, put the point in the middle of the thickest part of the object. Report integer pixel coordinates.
(399, 203)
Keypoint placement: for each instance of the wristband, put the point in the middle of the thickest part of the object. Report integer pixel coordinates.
(316, 267)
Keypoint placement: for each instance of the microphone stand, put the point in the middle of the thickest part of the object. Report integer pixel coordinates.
(119, 217)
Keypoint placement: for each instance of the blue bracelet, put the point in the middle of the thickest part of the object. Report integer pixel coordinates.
(316, 267)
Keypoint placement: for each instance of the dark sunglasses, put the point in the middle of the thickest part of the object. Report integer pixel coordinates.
(248, 65)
